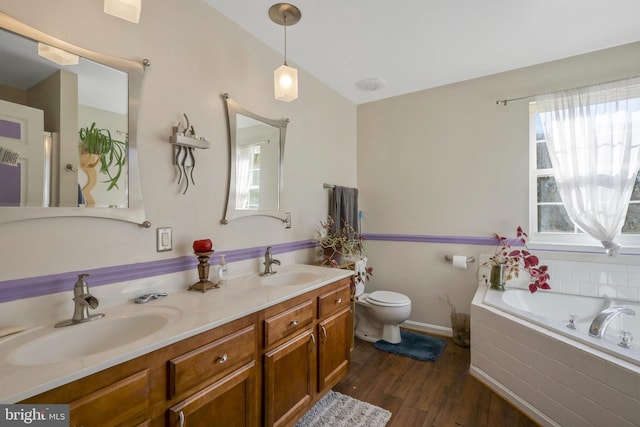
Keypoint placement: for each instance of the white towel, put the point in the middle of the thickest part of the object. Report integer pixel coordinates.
(361, 275)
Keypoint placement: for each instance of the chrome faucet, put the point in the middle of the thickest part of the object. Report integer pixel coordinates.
(83, 301)
(268, 261)
(601, 321)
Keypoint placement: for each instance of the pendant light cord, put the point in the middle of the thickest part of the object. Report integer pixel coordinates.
(285, 39)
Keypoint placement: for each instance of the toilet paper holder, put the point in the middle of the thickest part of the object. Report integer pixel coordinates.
(449, 258)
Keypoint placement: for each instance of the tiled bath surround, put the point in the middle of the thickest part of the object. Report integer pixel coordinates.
(595, 279)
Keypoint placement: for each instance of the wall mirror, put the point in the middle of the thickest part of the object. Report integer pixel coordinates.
(256, 151)
(59, 105)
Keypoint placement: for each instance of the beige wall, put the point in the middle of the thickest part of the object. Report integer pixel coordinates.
(196, 55)
(450, 162)
(446, 161)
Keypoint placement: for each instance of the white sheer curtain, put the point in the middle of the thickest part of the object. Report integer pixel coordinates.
(244, 169)
(593, 137)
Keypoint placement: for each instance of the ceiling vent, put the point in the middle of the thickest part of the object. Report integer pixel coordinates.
(372, 84)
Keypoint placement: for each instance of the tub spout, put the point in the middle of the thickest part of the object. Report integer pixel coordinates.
(601, 321)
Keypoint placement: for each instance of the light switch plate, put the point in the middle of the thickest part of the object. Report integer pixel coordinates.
(164, 240)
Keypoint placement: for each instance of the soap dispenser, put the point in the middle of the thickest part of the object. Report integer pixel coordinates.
(223, 271)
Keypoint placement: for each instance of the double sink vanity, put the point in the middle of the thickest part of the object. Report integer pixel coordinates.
(260, 350)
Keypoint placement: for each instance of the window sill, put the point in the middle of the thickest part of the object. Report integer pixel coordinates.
(580, 248)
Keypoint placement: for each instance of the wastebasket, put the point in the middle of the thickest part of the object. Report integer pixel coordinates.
(461, 328)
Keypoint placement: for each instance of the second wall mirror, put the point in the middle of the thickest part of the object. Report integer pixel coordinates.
(256, 151)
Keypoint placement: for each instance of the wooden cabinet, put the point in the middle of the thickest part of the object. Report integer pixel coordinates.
(130, 395)
(229, 365)
(299, 367)
(212, 361)
(267, 368)
(334, 349)
(227, 403)
(289, 379)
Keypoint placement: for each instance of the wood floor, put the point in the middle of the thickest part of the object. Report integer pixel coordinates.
(427, 394)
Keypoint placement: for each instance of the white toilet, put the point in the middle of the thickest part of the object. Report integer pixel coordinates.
(379, 314)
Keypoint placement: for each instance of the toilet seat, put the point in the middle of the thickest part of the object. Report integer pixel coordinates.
(387, 299)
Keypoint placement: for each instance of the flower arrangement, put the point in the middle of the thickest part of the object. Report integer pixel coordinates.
(345, 245)
(513, 260)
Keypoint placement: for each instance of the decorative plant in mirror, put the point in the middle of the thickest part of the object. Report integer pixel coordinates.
(506, 264)
(344, 249)
(97, 146)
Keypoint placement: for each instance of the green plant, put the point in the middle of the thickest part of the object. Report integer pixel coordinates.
(111, 152)
(514, 260)
(345, 245)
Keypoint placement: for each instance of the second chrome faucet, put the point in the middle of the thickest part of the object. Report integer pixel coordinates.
(269, 260)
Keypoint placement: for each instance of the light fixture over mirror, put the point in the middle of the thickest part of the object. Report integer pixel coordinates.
(129, 10)
(256, 151)
(285, 77)
(59, 56)
(44, 107)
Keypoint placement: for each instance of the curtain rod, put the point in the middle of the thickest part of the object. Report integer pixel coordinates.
(505, 101)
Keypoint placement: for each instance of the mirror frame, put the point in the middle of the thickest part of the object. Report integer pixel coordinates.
(231, 212)
(135, 72)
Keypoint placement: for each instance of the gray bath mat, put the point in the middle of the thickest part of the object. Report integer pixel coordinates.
(339, 410)
(415, 346)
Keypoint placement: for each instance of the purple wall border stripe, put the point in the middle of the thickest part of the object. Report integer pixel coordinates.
(457, 240)
(11, 290)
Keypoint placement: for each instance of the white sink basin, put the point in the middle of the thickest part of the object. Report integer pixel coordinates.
(289, 278)
(53, 345)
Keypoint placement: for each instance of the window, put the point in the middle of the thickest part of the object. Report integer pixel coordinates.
(549, 221)
(254, 185)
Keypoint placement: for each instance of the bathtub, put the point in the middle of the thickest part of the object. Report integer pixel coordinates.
(553, 310)
(522, 349)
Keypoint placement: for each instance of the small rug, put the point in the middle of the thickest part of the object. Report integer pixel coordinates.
(415, 346)
(339, 410)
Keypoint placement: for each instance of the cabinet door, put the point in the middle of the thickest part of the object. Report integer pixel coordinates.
(230, 402)
(118, 404)
(334, 336)
(289, 379)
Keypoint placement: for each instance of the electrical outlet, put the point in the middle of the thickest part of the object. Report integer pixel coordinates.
(287, 220)
(164, 239)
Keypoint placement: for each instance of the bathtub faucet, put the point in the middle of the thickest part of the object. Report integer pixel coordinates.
(602, 320)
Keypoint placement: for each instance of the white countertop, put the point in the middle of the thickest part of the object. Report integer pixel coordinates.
(191, 312)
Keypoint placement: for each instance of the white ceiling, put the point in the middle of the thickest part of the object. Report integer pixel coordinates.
(419, 44)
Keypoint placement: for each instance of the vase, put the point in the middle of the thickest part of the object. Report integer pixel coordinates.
(332, 256)
(496, 277)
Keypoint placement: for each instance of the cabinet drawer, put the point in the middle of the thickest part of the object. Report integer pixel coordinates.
(334, 301)
(288, 322)
(212, 361)
(117, 403)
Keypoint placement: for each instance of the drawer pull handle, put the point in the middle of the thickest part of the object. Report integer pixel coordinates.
(294, 323)
(222, 358)
(313, 341)
(181, 418)
(339, 300)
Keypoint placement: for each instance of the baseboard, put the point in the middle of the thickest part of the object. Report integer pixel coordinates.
(511, 397)
(428, 328)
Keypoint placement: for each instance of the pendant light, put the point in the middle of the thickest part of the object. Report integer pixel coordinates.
(129, 10)
(285, 77)
(59, 56)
